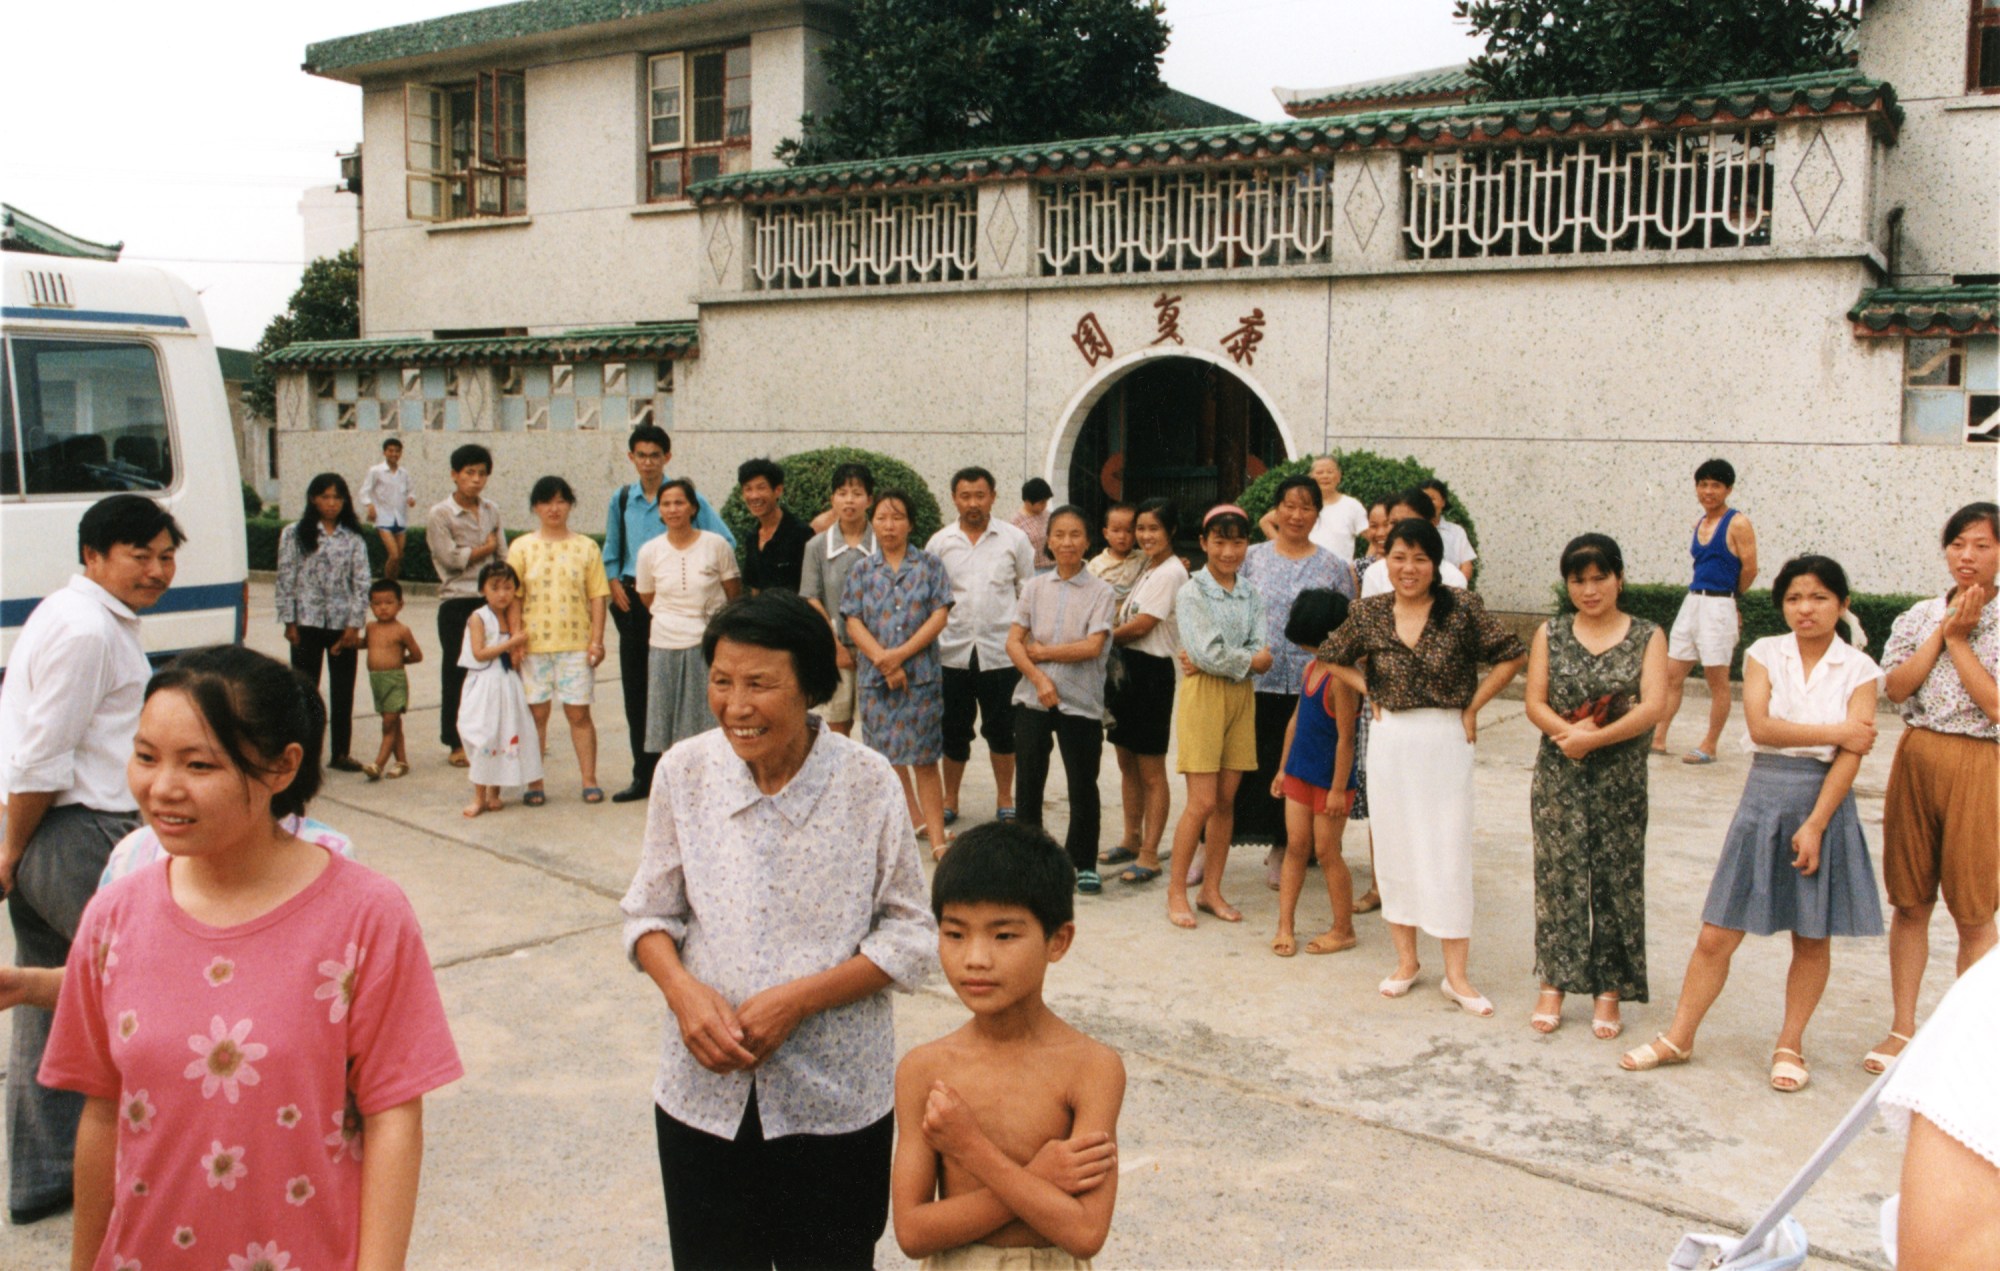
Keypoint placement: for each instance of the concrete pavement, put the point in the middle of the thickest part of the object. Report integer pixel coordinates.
(1279, 1113)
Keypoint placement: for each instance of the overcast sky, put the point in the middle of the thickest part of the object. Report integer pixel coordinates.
(195, 133)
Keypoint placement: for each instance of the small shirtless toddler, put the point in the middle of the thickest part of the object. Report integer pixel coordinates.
(391, 647)
(1005, 1148)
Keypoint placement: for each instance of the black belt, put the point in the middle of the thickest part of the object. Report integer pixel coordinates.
(1703, 591)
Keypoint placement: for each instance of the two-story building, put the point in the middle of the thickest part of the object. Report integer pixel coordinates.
(571, 223)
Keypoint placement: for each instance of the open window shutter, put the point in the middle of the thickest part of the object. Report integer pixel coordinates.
(424, 152)
(510, 116)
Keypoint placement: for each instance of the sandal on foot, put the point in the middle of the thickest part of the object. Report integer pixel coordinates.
(1003, 815)
(1138, 874)
(1330, 943)
(1284, 946)
(1369, 902)
(1546, 1022)
(1657, 1053)
(1393, 987)
(1117, 856)
(1606, 1030)
(1697, 756)
(593, 794)
(371, 772)
(535, 798)
(396, 769)
(1089, 882)
(1786, 1070)
(951, 816)
(1470, 1003)
(1878, 1061)
(937, 853)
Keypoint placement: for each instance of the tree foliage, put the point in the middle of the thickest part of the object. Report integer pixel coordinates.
(327, 306)
(922, 76)
(809, 489)
(1559, 48)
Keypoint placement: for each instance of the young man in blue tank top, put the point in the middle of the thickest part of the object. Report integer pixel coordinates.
(1705, 631)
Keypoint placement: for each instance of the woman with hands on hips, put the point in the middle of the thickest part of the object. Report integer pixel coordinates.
(778, 897)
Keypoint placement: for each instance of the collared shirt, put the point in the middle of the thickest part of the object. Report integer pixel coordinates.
(1340, 523)
(986, 579)
(1058, 610)
(1941, 703)
(1279, 579)
(634, 521)
(387, 490)
(1375, 577)
(70, 706)
(452, 533)
(327, 587)
(1442, 672)
(1153, 594)
(829, 559)
(892, 602)
(780, 562)
(1819, 698)
(1221, 629)
(759, 890)
(1457, 544)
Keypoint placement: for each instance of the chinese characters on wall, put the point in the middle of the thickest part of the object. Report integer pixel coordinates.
(1094, 342)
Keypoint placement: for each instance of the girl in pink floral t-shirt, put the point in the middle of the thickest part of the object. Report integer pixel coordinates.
(253, 1020)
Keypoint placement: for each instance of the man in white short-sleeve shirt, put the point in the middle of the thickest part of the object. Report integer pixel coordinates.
(1341, 516)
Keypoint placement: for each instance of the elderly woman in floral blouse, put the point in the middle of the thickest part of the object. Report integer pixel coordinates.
(778, 899)
(1422, 645)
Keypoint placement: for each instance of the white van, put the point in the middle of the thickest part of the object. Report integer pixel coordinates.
(110, 385)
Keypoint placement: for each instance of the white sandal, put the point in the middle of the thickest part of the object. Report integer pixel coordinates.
(1878, 1062)
(1657, 1053)
(1474, 1004)
(1785, 1070)
(1397, 988)
(1606, 1030)
(1543, 1022)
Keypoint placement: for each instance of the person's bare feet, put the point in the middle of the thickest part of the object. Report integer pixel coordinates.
(1331, 942)
(472, 809)
(1179, 914)
(494, 803)
(1218, 907)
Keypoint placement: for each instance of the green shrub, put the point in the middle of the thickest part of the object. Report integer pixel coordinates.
(253, 503)
(809, 486)
(1659, 602)
(1364, 474)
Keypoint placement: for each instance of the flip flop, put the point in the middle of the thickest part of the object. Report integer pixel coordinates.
(535, 798)
(1003, 815)
(1088, 882)
(593, 794)
(1117, 856)
(1697, 756)
(1138, 874)
(951, 816)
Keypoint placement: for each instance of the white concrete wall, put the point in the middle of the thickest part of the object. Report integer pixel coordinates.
(329, 221)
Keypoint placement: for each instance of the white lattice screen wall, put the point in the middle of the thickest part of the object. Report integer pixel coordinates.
(1677, 191)
(867, 241)
(1228, 218)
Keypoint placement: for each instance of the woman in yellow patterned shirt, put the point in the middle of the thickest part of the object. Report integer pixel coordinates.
(563, 597)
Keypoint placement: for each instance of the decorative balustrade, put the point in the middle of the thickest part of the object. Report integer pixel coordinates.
(1685, 190)
(1206, 218)
(867, 240)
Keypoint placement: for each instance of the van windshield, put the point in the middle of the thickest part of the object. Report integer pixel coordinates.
(83, 417)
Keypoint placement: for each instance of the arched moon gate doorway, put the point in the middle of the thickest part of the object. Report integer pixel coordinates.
(1183, 428)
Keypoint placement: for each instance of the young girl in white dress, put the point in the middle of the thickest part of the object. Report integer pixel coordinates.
(493, 717)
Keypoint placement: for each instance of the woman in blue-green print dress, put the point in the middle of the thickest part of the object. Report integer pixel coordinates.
(895, 604)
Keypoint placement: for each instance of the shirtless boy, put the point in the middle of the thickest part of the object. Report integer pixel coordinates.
(391, 647)
(1706, 629)
(1005, 1128)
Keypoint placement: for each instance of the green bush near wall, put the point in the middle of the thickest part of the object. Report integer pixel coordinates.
(1659, 602)
(261, 532)
(1364, 474)
(809, 486)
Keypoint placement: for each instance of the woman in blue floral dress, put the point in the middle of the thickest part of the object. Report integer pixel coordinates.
(895, 605)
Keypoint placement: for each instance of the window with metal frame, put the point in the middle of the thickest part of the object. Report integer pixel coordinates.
(1982, 48)
(465, 148)
(1951, 390)
(698, 118)
(84, 417)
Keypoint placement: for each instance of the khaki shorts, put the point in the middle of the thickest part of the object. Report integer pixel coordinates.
(1941, 824)
(1215, 723)
(1705, 631)
(978, 1257)
(564, 677)
(839, 709)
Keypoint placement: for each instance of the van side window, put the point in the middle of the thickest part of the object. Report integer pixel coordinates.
(85, 417)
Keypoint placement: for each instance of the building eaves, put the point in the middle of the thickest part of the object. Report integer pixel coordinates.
(345, 56)
(1439, 82)
(23, 232)
(673, 341)
(1479, 123)
(1960, 309)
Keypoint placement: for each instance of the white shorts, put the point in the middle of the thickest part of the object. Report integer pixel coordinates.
(1705, 631)
(839, 709)
(564, 677)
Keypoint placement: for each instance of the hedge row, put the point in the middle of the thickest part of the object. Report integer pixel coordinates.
(260, 534)
(1364, 474)
(1661, 601)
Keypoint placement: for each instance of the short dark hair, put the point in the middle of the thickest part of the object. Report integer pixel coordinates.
(549, 489)
(1111, 509)
(860, 473)
(1433, 483)
(255, 706)
(131, 519)
(1071, 509)
(1422, 535)
(1007, 863)
(685, 485)
(1299, 482)
(1418, 500)
(1036, 490)
(497, 569)
(1831, 576)
(750, 469)
(652, 433)
(901, 499)
(388, 585)
(1383, 501)
(781, 621)
(1967, 517)
(974, 473)
(387, 442)
(1162, 510)
(469, 454)
(1225, 525)
(1586, 550)
(1716, 470)
(1316, 613)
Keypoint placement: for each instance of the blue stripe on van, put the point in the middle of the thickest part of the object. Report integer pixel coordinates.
(22, 313)
(177, 600)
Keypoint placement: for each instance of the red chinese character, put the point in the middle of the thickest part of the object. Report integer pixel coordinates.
(1243, 341)
(1169, 317)
(1091, 340)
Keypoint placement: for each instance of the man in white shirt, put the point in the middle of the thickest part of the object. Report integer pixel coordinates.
(386, 501)
(69, 709)
(1412, 505)
(988, 562)
(1457, 543)
(1341, 516)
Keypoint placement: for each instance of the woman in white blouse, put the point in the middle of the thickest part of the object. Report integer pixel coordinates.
(683, 577)
(1795, 859)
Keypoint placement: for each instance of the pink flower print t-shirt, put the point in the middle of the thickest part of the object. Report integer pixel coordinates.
(241, 1061)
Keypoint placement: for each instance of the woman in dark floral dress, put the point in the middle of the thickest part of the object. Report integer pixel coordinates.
(1596, 684)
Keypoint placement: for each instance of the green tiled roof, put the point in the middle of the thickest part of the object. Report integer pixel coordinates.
(1455, 81)
(1962, 309)
(237, 364)
(670, 340)
(1459, 124)
(21, 232)
(1185, 110)
(461, 31)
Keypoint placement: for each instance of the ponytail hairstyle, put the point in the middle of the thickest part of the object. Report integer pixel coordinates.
(306, 532)
(1831, 576)
(256, 707)
(1423, 536)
